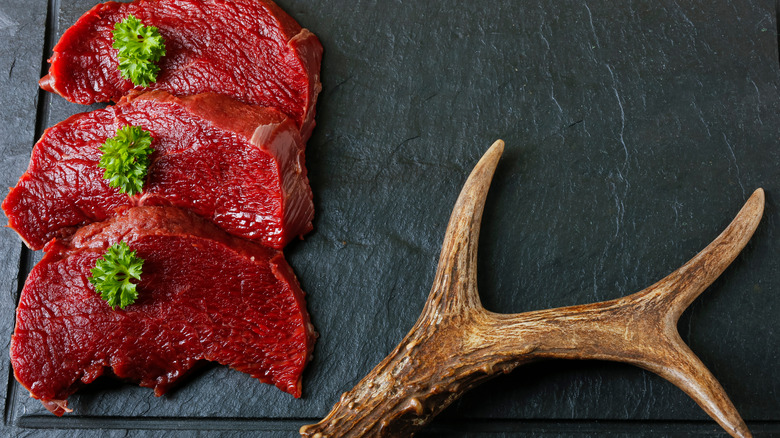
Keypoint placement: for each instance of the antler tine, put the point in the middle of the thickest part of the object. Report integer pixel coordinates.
(680, 366)
(455, 285)
(682, 286)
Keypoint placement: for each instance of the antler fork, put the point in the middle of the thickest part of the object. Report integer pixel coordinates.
(456, 344)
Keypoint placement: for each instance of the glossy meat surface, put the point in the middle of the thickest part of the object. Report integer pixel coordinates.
(250, 50)
(237, 165)
(203, 295)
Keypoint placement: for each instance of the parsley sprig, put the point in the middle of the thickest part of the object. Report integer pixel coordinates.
(126, 159)
(112, 273)
(140, 47)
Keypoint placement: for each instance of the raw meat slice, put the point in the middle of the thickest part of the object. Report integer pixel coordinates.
(250, 50)
(238, 165)
(203, 295)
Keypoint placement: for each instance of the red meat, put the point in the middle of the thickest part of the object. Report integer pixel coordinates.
(250, 50)
(240, 166)
(203, 295)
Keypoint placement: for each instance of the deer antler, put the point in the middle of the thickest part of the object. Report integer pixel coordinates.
(456, 344)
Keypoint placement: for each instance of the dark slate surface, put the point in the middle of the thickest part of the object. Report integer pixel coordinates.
(634, 130)
(22, 34)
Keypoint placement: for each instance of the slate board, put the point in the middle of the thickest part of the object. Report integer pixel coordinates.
(635, 131)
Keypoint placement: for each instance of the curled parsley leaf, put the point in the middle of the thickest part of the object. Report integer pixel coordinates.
(112, 273)
(140, 47)
(126, 159)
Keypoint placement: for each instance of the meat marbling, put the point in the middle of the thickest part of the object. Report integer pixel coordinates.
(238, 165)
(247, 49)
(203, 295)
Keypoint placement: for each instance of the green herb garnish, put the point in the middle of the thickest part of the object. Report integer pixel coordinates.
(140, 47)
(126, 159)
(112, 273)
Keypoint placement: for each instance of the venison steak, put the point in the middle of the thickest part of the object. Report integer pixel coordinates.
(203, 295)
(250, 50)
(237, 165)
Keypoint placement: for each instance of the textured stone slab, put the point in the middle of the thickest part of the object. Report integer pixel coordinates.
(22, 31)
(634, 133)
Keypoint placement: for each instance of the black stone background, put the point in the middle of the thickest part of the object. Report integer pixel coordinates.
(635, 130)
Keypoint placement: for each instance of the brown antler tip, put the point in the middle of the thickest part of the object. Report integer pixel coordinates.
(497, 147)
